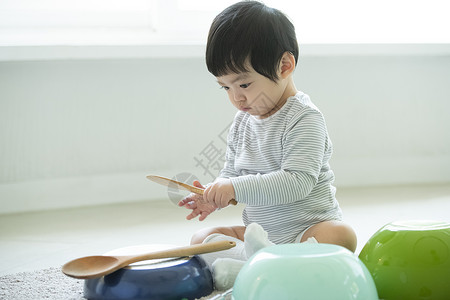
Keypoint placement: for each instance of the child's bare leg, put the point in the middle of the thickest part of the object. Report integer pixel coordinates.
(332, 232)
(233, 231)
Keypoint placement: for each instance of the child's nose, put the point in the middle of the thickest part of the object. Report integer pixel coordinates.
(239, 97)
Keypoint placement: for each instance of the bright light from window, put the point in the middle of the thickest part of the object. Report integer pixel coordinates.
(79, 13)
(215, 6)
(356, 21)
(44, 22)
(364, 21)
(148, 21)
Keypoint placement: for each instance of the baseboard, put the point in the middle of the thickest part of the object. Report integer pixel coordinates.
(78, 191)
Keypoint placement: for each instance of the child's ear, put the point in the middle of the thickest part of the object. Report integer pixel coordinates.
(287, 64)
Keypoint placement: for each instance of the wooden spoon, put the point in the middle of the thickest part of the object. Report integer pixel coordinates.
(170, 183)
(97, 266)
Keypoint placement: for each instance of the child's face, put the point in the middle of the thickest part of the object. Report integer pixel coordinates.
(253, 93)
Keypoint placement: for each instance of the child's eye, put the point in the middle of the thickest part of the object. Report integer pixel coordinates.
(244, 86)
(225, 88)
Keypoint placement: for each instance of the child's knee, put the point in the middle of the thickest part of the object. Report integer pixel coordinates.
(346, 236)
(199, 236)
(233, 231)
(333, 232)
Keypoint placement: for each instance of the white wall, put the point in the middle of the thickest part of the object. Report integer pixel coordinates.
(388, 116)
(84, 132)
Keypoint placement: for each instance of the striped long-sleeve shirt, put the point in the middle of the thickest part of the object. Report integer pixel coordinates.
(279, 168)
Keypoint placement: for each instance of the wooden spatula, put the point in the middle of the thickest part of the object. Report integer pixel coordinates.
(101, 265)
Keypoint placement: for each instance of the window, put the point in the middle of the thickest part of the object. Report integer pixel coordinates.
(76, 22)
(55, 29)
(369, 21)
(172, 21)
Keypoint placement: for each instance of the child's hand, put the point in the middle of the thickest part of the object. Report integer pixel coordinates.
(197, 204)
(219, 193)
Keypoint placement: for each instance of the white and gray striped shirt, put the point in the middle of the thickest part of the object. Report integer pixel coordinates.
(279, 168)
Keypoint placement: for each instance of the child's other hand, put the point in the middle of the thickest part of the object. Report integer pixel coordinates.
(220, 193)
(197, 204)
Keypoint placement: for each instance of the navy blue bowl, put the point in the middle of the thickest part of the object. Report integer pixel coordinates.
(182, 278)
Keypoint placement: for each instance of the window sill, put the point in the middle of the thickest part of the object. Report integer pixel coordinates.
(197, 49)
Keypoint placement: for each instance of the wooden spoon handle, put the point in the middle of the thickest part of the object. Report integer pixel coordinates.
(197, 190)
(182, 251)
(200, 191)
(167, 181)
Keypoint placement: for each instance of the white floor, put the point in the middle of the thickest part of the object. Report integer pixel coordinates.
(32, 241)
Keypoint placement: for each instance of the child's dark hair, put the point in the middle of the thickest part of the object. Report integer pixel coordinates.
(249, 30)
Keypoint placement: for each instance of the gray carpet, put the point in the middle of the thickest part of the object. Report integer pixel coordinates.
(43, 284)
(49, 284)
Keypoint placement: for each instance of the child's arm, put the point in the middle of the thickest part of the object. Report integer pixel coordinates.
(304, 165)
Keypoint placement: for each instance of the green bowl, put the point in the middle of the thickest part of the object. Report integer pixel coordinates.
(304, 271)
(410, 260)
